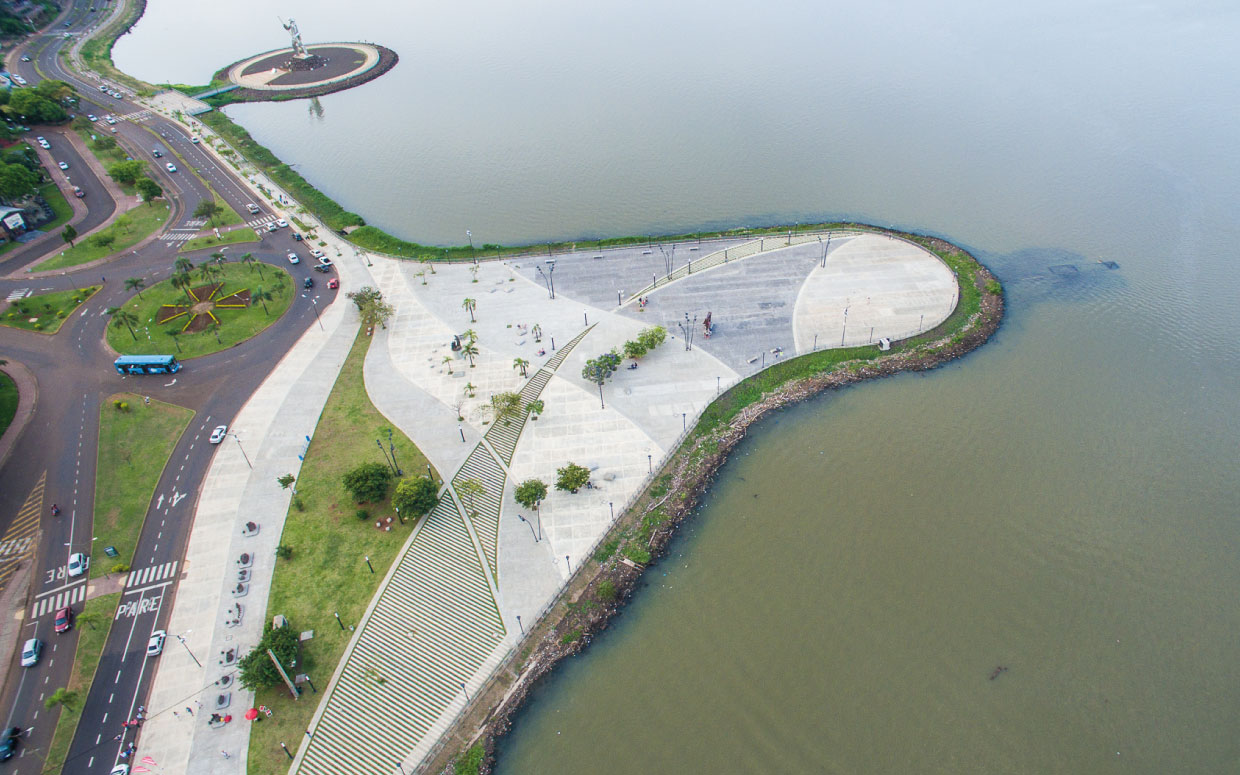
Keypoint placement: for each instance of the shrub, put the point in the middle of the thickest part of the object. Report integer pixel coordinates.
(606, 590)
(368, 483)
(634, 350)
(604, 552)
(298, 503)
(530, 492)
(120, 567)
(637, 554)
(470, 763)
(362, 514)
(415, 496)
(571, 477)
(285, 481)
(571, 636)
(284, 552)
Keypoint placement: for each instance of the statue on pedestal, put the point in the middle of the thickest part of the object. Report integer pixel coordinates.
(299, 48)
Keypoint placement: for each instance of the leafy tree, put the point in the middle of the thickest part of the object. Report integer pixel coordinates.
(531, 492)
(103, 239)
(122, 316)
(69, 234)
(415, 496)
(571, 477)
(470, 305)
(652, 337)
(16, 181)
(52, 89)
(124, 222)
(470, 489)
(634, 349)
(104, 143)
(257, 671)
(126, 172)
(368, 483)
(61, 696)
(209, 209)
(376, 312)
(90, 617)
(599, 370)
(36, 108)
(520, 363)
(286, 481)
(262, 296)
(135, 284)
(362, 295)
(148, 189)
(505, 406)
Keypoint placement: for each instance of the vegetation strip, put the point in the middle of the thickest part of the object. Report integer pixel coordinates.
(8, 402)
(93, 624)
(127, 230)
(47, 311)
(327, 538)
(601, 586)
(234, 237)
(136, 437)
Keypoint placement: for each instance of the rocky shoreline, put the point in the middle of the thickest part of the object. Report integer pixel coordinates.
(609, 585)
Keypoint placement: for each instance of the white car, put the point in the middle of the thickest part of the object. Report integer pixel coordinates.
(120, 769)
(64, 165)
(324, 260)
(46, 145)
(40, 140)
(31, 651)
(25, 57)
(218, 434)
(194, 140)
(171, 167)
(293, 259)
(103, 88)
(20, 81)
(253, 208)
(78, 563)
(281, 223)
(272, 226)
(317, 253)
(111, 120)
(93, 118)
(155, 646)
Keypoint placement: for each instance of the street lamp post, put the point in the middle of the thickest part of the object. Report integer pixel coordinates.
(337, 615)
(527, 522)
(398, 516)
(392, 449)
(191, 654)
(386, 459)
(569, 564)
(368, 565)
(649, 464)
(316, 310)
(247, 457)
(287, 753)
(519, 624)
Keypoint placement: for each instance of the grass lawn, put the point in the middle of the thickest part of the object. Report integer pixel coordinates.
(8, 401)
(56, 200)
(105, 149)
(45, 312)
(91, 637)
(129, 229)
(234, 237)
(326, 572)
(237, 325)
(134, 446)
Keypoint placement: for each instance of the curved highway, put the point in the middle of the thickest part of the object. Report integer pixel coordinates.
(54, 458)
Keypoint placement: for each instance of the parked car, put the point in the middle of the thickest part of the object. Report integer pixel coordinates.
(122, 768)
(155, 646)
(194, 140)
(78, 563)
(308, 283)
(31, 651)
(324, 260)
(93, 118)
(63, 620)
(281, 223)
(324, 268)
(111, 119)
(317, 253)
(171, 167)
(218, 434)
(64, 165)
(25, 57)
(296, 237)
(293, 259)
(333, 283)
(79, 193)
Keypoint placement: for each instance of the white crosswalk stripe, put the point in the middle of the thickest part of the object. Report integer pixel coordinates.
(154, 573)
(177, 236)
(15, 547)
(140, 115)
(259, 223)
(195, 223)
(20, 293)
(69, 597)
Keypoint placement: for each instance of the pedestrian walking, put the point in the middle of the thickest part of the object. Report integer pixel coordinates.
(225, 754)
(176, 715)
(188, 710)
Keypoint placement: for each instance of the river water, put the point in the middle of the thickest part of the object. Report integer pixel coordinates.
(1061, 503)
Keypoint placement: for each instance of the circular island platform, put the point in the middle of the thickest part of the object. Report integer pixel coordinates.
(330, 67)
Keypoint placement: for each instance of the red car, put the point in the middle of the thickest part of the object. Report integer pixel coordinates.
(64, 619)
(333, 283)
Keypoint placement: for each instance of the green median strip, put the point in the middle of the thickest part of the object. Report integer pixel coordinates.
(135, 441)
(45, 312)
(234, 237)
(127, 230)
(93, 624)
(8, 401)
(326, 571)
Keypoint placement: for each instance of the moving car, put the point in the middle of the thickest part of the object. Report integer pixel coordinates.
(25, 57)
(272, 226)
(64, 165)
(308, 283)
(8, 748)
(111, 119)
(78, 563)
(296, 237)
(79, 193)
(122, 768)
(194, 140)
(293, 259)
(157, 153)
(281, 223)
(155, 646)
(31, 651)
(253, 208)
(93, 118)
(333, 283)
(171, 167)
(63, 620)
(218, 434)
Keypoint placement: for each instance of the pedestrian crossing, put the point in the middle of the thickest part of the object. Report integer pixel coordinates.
(18, 541)
(51, 603)
(19, 293)
(173, 237)
(140, 578)
(194, 223)
(260, 223)
(141, 115)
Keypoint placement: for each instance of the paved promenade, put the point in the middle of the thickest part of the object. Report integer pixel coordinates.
(447, 613)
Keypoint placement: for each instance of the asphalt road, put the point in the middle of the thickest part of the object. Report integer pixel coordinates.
(54, 459)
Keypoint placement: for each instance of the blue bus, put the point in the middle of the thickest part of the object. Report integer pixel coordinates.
(147, 364)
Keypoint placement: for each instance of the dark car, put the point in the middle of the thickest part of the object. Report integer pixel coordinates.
(296, 236)
(322, 267)
(309, 283)
(63, 620)
(8, 748)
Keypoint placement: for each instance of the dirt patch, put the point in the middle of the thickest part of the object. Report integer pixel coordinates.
(600, 591)
(200, 322)
(205, 292)
(168, 312)
(239, 299)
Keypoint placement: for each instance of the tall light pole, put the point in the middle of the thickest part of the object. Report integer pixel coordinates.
(548, 276)
(186, 645)
(247, 457)
(316, 310)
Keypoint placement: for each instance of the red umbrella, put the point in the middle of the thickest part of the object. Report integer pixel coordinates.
(251, 714)
(228, 718)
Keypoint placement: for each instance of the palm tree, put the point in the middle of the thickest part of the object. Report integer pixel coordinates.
(263, 296)
(520, 363)
(470, 336)
(135, 284)
(124, 317)
(61, 696)
(90, 617)
(471, 305)
(175, 334)
(248, 258)
(447, 359)
(207, 270)
(219, 258)
(470, 350)
(181, 281)
(469, 391)
(182, 265)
